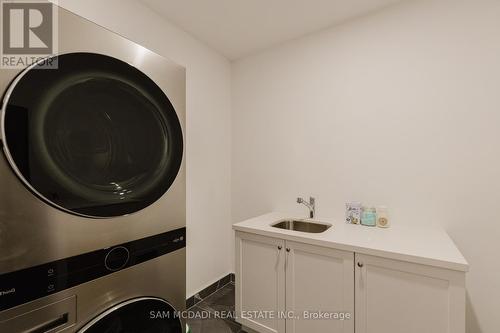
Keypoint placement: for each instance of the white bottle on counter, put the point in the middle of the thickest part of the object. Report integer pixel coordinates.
(382, 217)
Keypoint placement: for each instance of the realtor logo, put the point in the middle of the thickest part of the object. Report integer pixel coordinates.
(28, 32)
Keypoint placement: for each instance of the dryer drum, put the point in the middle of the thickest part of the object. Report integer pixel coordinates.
(95, 137)
(138, 315)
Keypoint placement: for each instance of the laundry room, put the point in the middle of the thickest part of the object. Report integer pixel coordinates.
(250, 166)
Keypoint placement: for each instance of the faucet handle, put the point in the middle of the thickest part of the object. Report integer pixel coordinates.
(300, 200)
(312, 200)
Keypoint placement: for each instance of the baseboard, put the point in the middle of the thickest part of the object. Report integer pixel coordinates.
(202, 294)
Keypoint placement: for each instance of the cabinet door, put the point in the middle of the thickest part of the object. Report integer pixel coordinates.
(260, 282)
(319, 282)
(394, 296)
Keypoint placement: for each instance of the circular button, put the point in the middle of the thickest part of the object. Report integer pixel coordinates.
(117, 258)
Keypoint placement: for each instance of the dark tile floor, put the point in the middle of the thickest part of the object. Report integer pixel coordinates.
(215, 314)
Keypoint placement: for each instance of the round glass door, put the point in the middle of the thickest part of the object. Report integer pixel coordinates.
(95, 137)
(141, 315)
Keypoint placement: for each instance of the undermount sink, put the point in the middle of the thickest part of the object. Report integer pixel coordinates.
(302, 226)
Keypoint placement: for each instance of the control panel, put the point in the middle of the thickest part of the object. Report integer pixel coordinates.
(31, 283)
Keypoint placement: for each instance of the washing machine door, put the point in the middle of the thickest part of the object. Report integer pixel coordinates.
(95, 137)
(140, 315)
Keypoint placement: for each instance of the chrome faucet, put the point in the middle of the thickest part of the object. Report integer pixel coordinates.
(311, 205)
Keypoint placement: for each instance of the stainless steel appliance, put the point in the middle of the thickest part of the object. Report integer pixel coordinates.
(92, 195)
(136, 287)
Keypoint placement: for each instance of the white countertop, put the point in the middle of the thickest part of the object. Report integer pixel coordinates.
(422, 245)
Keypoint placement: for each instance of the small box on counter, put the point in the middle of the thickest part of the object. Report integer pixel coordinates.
(353, 212)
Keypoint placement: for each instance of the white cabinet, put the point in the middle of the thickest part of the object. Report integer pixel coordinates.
(395, 296)
(260, 282)
(284, 286)
(293, 287)
(319, 289)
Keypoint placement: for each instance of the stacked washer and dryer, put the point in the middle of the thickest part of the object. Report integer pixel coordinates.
(92, 189)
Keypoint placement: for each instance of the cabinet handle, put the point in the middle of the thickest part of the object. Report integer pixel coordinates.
(360, 264)
(280, 247)
(286, 258)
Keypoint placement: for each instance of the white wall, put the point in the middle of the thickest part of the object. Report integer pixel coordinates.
(400, 108)
(208, 128)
